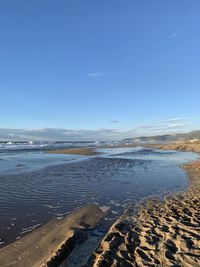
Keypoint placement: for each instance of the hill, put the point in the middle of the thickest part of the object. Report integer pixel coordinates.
(191, 136)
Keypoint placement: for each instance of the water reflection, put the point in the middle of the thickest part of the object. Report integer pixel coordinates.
(31, 197)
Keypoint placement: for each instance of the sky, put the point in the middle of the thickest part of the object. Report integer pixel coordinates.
(114, 69)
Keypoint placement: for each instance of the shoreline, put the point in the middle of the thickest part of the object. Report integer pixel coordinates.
(51, 243)
(163, 233)
(91, 151)
(159, 233)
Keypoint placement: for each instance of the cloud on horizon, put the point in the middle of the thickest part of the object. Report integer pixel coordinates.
(177, 119)
(53, 134)
(166, 126)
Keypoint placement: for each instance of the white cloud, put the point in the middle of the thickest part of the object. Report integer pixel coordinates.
(176, 125)
(95, 74)
(169, 125)
(177, 119)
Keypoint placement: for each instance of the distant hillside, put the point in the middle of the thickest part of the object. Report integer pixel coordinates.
(195, 135)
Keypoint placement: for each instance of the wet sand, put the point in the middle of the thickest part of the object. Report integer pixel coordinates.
(76, 151)
(50, 244)
(159, 234)
(87, 151)
(154, 233)
(183, 146)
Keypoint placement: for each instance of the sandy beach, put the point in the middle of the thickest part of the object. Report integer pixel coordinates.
(161, 233)
(99, 133)
(152, 233)
(183, 146)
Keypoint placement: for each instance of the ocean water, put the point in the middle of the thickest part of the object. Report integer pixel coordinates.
(25, 146)
(36, 187)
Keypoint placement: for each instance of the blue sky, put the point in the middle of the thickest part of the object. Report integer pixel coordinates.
(131, 67)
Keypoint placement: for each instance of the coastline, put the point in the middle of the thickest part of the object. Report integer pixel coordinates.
(91, 151)
(87, 151)
(162, 233)
(156, 233)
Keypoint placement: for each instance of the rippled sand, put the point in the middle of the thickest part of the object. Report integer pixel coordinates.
(162, 234)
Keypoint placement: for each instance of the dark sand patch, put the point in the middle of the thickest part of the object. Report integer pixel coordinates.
(88, 151)
(45, 246)
(76, 151)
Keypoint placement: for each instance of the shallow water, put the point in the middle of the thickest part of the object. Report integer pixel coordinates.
(37, 187)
